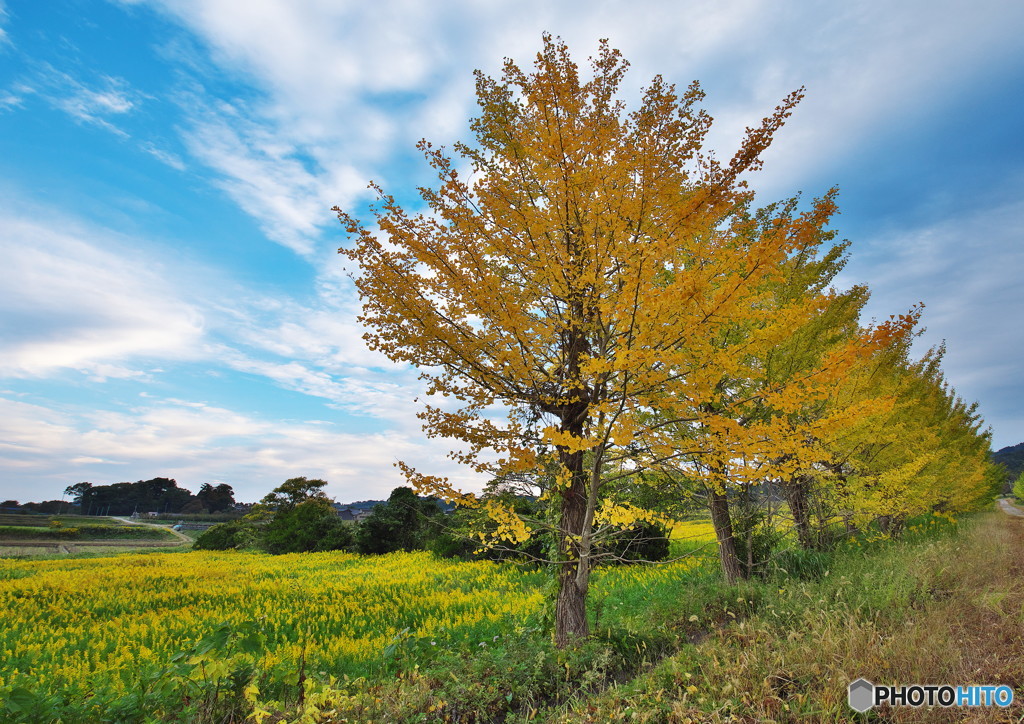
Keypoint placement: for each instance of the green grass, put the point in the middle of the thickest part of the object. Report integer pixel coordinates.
(673, 642)
(79, 550)
(687, 647)
(84, 532)
(940, 606)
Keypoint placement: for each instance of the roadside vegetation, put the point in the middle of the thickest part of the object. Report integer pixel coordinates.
(944, 605)
(232, 637)
(1018, 488)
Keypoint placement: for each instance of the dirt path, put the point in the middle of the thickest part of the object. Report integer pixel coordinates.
(170, 530)
(1010, 508)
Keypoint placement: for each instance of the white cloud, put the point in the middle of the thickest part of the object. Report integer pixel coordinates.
(323, 331)
(384, 394)
(164, 156)
(194, 443)
(342, 91)
(870, 69)
(93, 103)
(74, 297)
(349, 87)
(4, 17)
(69, 301)
(316, 348)
(316, 54)
(269, 176)
(9, 101)
(967, 271)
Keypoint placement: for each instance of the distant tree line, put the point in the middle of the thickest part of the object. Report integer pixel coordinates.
(299, 517)
(45, 507)
(159, 495)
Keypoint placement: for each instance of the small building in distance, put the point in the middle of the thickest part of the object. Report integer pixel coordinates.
(349, 513)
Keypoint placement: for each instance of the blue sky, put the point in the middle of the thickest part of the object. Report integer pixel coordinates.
(171, 300)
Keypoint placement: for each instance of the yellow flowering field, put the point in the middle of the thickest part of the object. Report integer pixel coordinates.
(95, 628)
(104, 639)
(694, 530)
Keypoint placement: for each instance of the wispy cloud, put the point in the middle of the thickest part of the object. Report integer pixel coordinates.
(346, 89)
(164, 156)
(315, 347)
(967, 271)
(269, 175)
(291, 106)
(194, 443)
(339, 90)
(74, 297)
(69, 302)
(97, 103)
(351, 87)
(4, 17)
(9, 101)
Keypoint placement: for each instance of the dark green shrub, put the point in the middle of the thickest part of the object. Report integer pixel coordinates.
(235, 535)
(312, 525)
(756, 540)
(640, 542)
(400, 524)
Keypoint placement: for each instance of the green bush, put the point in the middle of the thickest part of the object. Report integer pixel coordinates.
(235, 535)
(756, 540)
(312, 525)
(400, 524)
(640, 542)
(451, 537)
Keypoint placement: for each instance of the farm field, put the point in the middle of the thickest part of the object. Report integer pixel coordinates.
(24, 536)
(80, 549)
(85, 636)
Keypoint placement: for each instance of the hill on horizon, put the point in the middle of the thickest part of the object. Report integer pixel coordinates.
(1013, 458)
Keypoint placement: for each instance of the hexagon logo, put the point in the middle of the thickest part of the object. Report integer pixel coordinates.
(861, 695)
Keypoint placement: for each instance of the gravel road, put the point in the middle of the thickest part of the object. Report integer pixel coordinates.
(1010, 508)
(170, 530)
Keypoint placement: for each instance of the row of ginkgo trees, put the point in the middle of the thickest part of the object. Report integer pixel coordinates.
(592, 273)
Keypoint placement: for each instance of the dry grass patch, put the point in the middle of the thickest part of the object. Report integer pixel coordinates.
(947, 611)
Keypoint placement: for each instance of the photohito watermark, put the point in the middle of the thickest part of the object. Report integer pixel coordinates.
(864, 695)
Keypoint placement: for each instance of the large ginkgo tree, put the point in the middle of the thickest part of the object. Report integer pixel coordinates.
(577, 268)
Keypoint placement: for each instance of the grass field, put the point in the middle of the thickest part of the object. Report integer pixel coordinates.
(43, 521)
(38, 536)
(407, 637)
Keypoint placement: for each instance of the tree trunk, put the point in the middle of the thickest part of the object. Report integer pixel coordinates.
(571, 625)
(720, 518)
(574, 575)
(796, 491)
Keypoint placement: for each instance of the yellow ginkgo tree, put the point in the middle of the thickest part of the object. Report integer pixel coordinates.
(926, 453)
(575, 268)
(762, 421)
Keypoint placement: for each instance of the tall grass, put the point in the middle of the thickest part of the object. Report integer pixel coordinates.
(937, 607)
